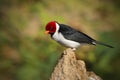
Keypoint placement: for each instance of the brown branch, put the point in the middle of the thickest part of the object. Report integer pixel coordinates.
(69, 68)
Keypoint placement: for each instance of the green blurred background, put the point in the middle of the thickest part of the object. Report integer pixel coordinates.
(26, 53)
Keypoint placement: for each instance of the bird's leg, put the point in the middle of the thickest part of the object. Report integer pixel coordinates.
(73, 49)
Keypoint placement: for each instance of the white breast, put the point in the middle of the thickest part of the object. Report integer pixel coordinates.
(68, 43)
(57, 36)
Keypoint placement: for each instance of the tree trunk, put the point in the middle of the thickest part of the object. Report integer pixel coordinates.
(69, 68)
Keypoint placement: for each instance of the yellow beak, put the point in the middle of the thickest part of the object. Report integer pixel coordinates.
(47, 32)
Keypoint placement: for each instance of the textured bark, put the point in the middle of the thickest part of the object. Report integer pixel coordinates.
(69, 68)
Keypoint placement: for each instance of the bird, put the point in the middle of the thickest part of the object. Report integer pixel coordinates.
(68, 36)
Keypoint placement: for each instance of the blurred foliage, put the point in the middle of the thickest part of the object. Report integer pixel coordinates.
(26, 53)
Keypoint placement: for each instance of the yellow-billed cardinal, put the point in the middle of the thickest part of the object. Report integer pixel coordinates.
(68, 36)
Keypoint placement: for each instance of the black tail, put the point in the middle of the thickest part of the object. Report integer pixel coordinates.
(97, 42)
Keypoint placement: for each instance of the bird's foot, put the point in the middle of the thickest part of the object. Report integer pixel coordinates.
(74, 49)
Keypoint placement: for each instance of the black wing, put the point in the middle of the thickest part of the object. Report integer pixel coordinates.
(75, 35)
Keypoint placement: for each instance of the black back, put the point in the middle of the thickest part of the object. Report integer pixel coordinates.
(75, 35)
